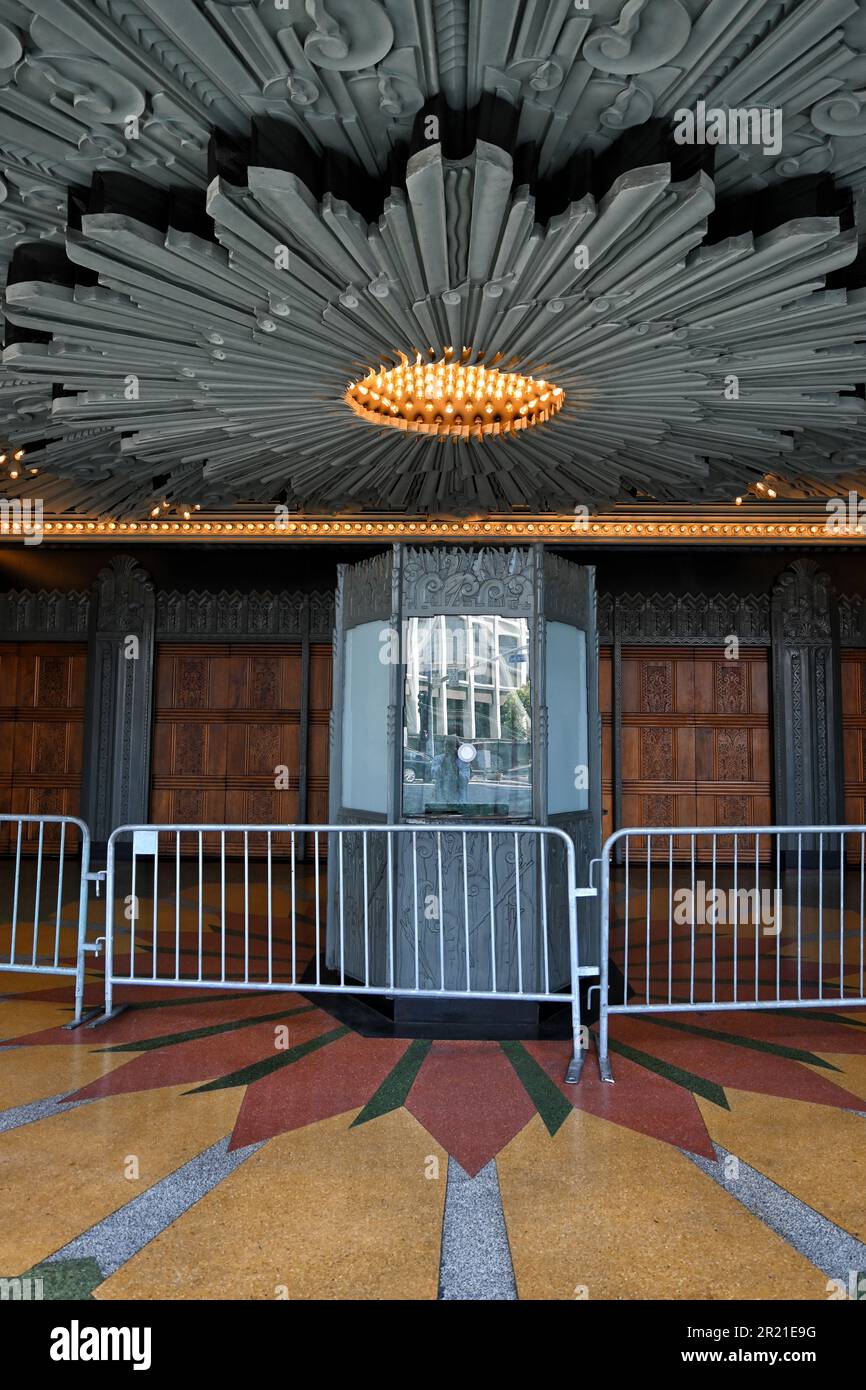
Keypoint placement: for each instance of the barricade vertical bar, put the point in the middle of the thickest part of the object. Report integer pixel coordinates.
(517, 907)
(627, 917)
(15, 893)
(134, 909)
(271, 914)
(38, 891)
(82, 925)
(492, 909)
(800, 916)
(756, 915)
(842, 915)
(223, 906)
(440, 913)
(342, 913)
(604, 1067)
(414, 880)
(177, 903)
(155, 963)
(779, 912)
(821, 916)
(692, 926)
(109, 924)
(246, 907)
(466, 909)
(318, 888)
(542, 850)
(367, 913)
(714, 900)
(648, 910)
(200, 902)
(578, 1053)
(670, 917)
(862, 905)
(294, 917)
(390, 842)
(58, 915)
(736, 917)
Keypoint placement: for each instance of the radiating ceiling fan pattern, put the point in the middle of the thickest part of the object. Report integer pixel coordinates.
(223, 364)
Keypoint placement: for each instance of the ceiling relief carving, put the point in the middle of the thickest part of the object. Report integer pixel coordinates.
(223, 364)
(241, 366)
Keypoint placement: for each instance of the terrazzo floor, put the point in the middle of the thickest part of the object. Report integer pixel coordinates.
(215, 1144)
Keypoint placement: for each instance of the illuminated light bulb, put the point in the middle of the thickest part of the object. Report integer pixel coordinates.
(18, 455)
(2, 458)
(738, 501)
(155, 511)
(14, 473)
(449, 408)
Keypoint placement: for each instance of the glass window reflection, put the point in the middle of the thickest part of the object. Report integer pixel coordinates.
(467, 727)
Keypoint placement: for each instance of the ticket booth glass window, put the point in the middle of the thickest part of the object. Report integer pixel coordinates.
(467, 725)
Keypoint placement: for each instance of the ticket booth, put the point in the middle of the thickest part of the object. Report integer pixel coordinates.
(465, 696)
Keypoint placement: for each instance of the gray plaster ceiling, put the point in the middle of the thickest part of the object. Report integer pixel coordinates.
(239, 366)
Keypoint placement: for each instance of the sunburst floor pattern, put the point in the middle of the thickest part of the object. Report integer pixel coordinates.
(225, 1100)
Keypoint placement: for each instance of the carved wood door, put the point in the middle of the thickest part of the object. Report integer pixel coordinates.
(696, 740)
(227, 736)
(41, 730)
(854, 740)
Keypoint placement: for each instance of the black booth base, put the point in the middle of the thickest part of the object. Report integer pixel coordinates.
(377, 1016)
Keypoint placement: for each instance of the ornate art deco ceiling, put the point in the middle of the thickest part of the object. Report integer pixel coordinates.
(198, 361)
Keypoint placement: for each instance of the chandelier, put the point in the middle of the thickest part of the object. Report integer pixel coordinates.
(453, 399)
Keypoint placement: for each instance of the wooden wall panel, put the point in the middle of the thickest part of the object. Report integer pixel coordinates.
(227, 718)
(695, 740)
(222, 728)
(41, 729)
(321, 697)
(854, 736)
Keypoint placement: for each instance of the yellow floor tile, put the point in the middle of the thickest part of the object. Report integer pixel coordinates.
(627, 1217)
(816, 1153)
(18, 1016)
(60, 1175)
(31, 1073)
(327, 1212)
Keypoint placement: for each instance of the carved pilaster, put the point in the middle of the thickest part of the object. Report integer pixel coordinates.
(807, 697)
(119, 697)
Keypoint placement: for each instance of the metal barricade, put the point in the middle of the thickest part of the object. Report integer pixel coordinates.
(436, 911)
(47, 858)
(731, 918)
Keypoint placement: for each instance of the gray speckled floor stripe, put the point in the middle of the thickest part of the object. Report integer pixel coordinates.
(122, 1234)
(828, 1247)
(476, 1259)
(18, 1115)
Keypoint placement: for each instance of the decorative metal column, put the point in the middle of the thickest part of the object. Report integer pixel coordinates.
(807, 698)
(116, 783)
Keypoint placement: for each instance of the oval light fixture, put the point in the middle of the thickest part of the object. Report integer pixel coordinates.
(456, 399)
